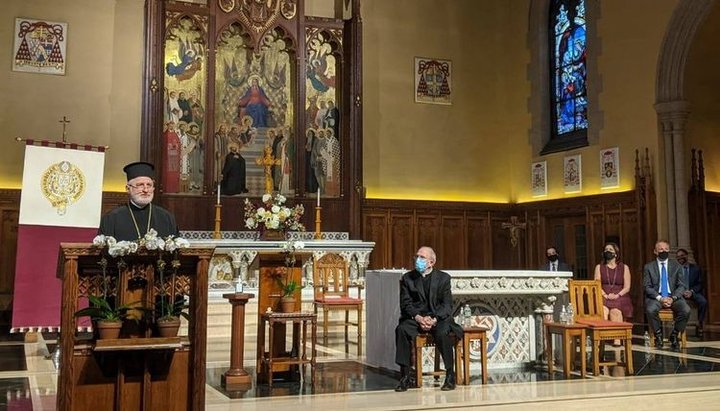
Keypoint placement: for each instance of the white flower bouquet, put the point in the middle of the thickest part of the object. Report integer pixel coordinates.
(273, 214)
(150, 241)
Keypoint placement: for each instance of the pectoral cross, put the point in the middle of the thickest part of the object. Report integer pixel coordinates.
(268, 161)
(64, 122)
(514, 226)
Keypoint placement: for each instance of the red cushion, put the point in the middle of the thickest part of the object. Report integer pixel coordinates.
(603, 323)
(338, 300)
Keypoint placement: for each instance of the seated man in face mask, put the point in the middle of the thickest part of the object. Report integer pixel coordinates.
(426, 305)
(553, 261)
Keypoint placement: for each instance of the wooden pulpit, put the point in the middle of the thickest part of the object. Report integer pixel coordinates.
(137, 371)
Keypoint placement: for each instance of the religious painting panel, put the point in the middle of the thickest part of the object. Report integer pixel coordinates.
(322, 112)
(254, 115)
(433, 81)
(39, 46)
(185, 73)
(538, 175)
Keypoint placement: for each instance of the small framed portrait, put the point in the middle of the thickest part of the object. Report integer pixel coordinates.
(609, 168)
(572, 174)
(538, 175)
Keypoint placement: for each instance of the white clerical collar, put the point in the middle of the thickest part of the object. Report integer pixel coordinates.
(138, 206)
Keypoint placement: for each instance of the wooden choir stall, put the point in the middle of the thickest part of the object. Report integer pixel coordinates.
(138, 370)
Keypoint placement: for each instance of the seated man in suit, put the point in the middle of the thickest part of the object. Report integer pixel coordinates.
(692, 275)
(425, 305)
(553, 261)
(664, 288)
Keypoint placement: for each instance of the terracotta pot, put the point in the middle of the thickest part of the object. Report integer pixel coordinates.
(287, 304)
(108, 329)
(168, 328)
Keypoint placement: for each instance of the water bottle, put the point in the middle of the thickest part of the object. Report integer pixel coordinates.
(570, 314)
(467, 315)
(646, 338)
(563, 315)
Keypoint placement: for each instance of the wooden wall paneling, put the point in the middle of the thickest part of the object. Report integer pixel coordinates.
(504, 256)
(452, 244)
(376, 228)
(402, 241)
(630, 256)
(427, 226)
(712, 266)
(478, 243)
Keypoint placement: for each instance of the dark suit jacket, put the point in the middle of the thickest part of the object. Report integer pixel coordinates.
(412, 295)
(651, 279)
(561, 266)
(695, 283)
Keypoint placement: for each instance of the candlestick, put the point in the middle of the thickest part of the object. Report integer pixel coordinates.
(218, 199)
(218, 220)
(318, 223)
(318, 199)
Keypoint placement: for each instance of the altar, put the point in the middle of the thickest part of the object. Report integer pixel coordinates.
(234, 263)
(511, 304)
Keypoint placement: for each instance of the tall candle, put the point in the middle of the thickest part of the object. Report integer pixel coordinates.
(218, 200)
(318, 199)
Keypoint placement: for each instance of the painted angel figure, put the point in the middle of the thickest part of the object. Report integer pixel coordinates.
(190, 61)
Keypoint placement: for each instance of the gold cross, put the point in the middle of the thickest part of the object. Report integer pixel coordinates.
(64, 122)
(514, 226)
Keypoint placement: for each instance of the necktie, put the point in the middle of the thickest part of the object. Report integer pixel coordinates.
(552, 267)
(687, 275)
(664, 288)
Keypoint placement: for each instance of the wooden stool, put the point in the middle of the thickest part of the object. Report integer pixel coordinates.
(472, 333)
(569, 333)
(270, 361)
(426, 340)
(666, 316)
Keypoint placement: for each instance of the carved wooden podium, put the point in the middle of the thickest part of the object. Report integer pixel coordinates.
(141, 372)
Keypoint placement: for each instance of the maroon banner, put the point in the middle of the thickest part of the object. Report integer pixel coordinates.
(37, 298)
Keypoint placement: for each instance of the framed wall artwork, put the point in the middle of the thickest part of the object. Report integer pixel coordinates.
(572, 174)
(609, 168)
(538, 175)
(433, 81)
(39, 46)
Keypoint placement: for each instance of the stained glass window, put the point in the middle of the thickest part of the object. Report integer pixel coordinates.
(568, 69)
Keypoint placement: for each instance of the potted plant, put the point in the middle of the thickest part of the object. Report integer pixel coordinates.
(108, 318)
(168, 322)
(288, 287)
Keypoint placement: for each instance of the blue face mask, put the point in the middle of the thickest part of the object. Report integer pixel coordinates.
(420, 265)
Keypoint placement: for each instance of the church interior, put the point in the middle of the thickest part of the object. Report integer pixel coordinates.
(488, 130)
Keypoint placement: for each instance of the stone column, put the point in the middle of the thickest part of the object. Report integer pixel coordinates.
(673, 117)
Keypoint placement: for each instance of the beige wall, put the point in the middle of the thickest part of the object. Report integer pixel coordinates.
(478, 148)
(703, 94)
(100, 92)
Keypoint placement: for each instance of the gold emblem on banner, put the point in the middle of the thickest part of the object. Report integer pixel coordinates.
(62, 184)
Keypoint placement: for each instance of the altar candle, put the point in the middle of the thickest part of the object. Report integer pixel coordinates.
(318, 199)
(218, 200)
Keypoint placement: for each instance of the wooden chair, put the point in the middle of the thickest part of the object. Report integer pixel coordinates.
(666, 316)
(330, 278)
(424, 340)
(586, 298)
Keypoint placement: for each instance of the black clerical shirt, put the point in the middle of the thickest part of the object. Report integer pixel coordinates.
(119, 223)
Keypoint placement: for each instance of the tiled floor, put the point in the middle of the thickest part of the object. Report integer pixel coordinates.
(664, 380)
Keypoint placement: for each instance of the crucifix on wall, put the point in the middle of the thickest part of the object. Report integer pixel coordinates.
(514, 226)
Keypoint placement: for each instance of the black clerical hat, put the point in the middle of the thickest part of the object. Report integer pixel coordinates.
(139, 169)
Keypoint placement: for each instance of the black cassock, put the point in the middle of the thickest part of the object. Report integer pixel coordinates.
(119, 224)
(233, 172)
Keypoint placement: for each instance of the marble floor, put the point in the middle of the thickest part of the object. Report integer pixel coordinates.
(664, 380)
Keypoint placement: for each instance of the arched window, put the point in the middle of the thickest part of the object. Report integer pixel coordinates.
(568, 74)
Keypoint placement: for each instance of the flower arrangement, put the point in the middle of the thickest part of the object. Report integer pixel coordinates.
(273, 214)
(288, 286)
(150, 241)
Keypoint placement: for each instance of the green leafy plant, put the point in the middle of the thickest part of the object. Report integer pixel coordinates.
(288, 288)
(101, 310)
(169, 312)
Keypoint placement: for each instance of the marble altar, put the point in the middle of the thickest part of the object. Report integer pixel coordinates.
(510, 303)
